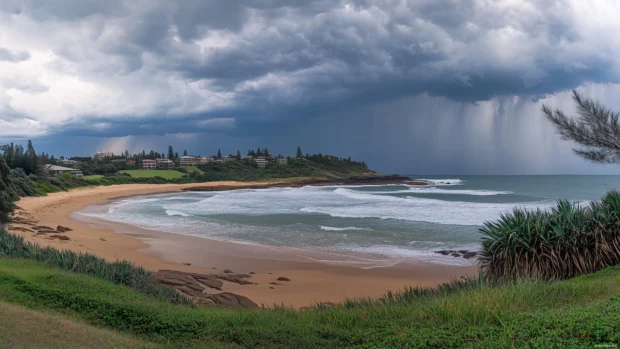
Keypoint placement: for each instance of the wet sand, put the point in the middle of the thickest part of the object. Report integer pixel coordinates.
(312, 281)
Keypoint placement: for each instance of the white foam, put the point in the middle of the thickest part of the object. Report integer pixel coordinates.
(434, 190)
(326, 228)
(177, 213)
(365, 205)
(449, 181)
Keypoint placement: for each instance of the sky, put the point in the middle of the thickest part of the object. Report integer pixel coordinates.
(411, 87)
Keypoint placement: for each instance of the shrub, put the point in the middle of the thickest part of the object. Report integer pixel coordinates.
(568, 241)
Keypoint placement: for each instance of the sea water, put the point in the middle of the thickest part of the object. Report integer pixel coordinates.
(394, 223)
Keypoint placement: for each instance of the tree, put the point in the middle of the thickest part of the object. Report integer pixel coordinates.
(299, 153)
(238, 155)
(219, 154)
(170, 153)
(6, 200)
(259, 152)
(31, 164)
(266, 152)
(185, 152)
(596, 129)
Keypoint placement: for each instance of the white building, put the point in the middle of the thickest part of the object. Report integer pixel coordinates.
(164, 164)
(282, 161)
(148, 164)
(188, 161)
(261, 162)
(207, 159)
(67, 162)
(54, 170)
(103, 154)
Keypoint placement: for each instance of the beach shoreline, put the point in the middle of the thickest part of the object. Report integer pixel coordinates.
(312, 281)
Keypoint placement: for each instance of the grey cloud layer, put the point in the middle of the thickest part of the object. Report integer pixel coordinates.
(264, 60)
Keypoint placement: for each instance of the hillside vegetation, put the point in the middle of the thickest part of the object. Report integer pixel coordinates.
(576, 313)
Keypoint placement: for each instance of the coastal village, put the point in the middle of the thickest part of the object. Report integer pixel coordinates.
(67, 165)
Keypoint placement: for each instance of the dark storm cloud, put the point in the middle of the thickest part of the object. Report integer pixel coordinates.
(266, 60)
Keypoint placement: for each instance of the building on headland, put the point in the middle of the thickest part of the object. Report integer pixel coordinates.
(103, 154)
(188, 160)
(53, 170)
(66, 162)
(131, 162)
(148, 164)
(261, 162)
(164, 164)
(207, 159)
(282, 161)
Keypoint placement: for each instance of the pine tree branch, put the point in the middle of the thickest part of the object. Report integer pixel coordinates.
(596, 129)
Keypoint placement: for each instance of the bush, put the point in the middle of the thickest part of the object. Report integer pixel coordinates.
(568, 241)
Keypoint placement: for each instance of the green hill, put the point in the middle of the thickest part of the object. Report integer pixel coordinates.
(576, 313)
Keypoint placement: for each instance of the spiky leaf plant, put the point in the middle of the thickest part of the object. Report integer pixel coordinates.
(567, 241)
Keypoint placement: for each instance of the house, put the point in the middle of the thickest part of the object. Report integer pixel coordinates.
(188, 161)
(261, 162)
(131, 162)
(119, 161)
(207, 159)
(282, 161)
(53, 170)
(148, 164)
(67, 162)
(103, 154)
(164, 164)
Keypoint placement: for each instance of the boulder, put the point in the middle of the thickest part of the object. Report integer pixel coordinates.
(231, 300)
(227, 271)
(282, 278)
(60, 237)
(469, 255)
(62, 229)
(210, 282)
(43, 227)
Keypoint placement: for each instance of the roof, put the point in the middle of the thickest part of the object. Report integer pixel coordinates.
(57, 168)
(187, 157)
(148, 160)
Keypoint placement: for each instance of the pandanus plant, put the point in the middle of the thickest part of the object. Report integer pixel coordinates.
(566, 241)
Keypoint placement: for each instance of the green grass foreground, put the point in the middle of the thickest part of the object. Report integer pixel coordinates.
(576, 313)
(166, 174)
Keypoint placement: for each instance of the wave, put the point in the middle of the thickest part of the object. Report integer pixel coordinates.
(326, 228)
(410, 208)
(176, 213)
(433, 190)
(449, 181)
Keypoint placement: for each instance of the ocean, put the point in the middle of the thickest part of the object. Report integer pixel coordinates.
(388, 223)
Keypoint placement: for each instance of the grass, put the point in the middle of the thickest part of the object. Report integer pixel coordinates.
(191, 169)
(568, 241)
(25, 328)
(119, 272)
(580, 312)
(167, 174)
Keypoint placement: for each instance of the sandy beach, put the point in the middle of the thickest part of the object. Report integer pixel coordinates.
(312, 281)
